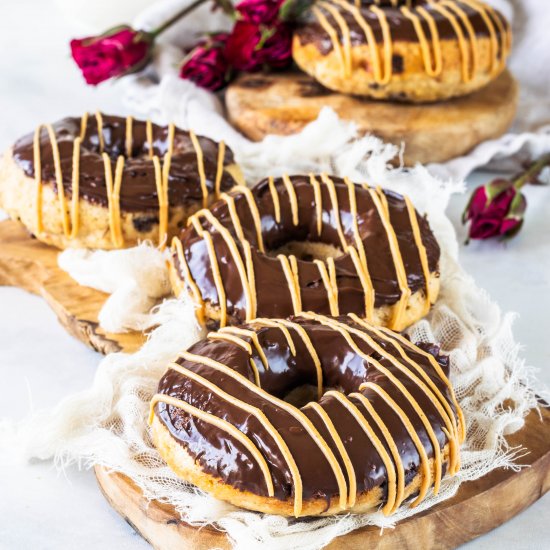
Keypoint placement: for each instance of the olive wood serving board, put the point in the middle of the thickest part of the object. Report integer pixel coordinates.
(27, 263)
(477, 508)
(283, 103)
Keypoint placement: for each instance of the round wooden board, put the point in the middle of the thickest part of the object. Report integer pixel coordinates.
(478, 507)
(31, 265)
(283, 103)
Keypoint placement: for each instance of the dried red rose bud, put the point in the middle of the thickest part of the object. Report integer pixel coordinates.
(495, 209)
(117, 52)
(252, 47)
(206, 65)
(259, 11)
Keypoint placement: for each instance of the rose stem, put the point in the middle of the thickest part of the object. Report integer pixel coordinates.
(178, 15)
(534, 169)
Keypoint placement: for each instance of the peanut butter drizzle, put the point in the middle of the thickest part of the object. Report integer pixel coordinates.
(346, 36)
(327, 270)
(200, 163)
(381, 76)
(352, 479)
(335, 209)
(255, 372)
(421, 252)
(386, 459)
(382, 207)
(360, 261)
(254, 212)
(230, 338)
(59, 180)
(232, 244)
(347, 332)
(332, 294)
(433, 67)
(431, 49)
(282, 325)
(392, 461)
(218, 280)
(235, 220)
(291, 279)
(223, 425)
(129, 136)
(113, 197)
(275, 199)
(113, 183)
(75, 211)
(400, 469)
(426, 386)
(240, 332)
(292, 198)
(447, 415)
(219, 170)
(392, 337)
(83, 125)
(99, 122)
(293, 411)
(257, 413)
(177, 249)
(318, 202)
(424, 461)
(278, 323)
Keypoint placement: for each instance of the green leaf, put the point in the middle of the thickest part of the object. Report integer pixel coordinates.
(293, 10)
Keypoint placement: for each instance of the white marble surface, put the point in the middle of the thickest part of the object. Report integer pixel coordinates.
(41, 508)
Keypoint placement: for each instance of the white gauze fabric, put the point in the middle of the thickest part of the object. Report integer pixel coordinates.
(107, 424)
(136, 279)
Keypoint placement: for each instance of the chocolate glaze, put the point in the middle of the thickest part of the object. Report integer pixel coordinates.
(273, 293)
(402, 29)
(138, 192)
(222, 457)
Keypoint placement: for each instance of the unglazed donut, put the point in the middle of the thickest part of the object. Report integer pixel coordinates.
(383, 425)
(410, 50)
(123, 180)
(302, 243)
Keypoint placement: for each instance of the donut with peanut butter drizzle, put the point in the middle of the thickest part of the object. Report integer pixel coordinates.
(308, 243)
(405, 50)
(311, 415)
(102, 181)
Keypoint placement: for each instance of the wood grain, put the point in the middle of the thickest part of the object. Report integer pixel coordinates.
(283, 103)
(31, 265)
(478, 507)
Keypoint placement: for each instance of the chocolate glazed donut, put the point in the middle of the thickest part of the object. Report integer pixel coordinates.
(107, 182)
(303, 243)
(382, 427)
(411, 50)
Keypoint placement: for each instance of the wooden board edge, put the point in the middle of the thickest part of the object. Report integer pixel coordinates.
(486, 503)
(28, 264)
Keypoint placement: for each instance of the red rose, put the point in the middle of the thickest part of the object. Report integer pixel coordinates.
(251, 47)
(259, 11)
(495, 209)
(207, 65)
(119, 51)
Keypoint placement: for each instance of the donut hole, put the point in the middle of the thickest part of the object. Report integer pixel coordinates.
(301, 395)
(308, 251)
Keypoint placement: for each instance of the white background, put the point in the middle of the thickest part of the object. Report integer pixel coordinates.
(42, 508)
